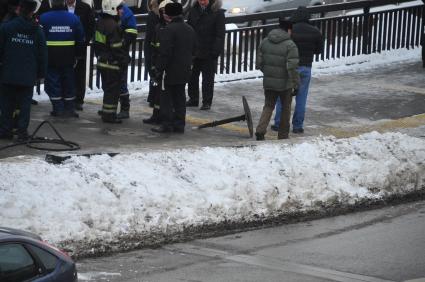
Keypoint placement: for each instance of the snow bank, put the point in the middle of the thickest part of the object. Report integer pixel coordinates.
(103, 198)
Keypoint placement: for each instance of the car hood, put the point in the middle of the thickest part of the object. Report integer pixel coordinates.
(249, 4)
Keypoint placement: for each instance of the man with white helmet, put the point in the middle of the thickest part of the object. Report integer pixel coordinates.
(151, 57)
(111, 58)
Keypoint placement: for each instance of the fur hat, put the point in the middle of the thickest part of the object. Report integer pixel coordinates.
(13, 3)
(173, 9)
(285, 23)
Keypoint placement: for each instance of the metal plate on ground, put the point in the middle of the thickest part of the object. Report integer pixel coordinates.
(248, 116)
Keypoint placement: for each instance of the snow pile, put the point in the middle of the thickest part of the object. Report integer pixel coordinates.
(104, 198)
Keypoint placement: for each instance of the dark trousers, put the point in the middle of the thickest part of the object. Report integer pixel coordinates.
(12, 96)
(173, 107)
(111, 91)
(80, 79)
(269, 104)
(208, 68)
(59, 85)
(423, 54)
(124, 95)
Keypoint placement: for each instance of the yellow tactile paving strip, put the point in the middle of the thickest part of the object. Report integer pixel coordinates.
(384, 126)
(380, 126)
(399, 87)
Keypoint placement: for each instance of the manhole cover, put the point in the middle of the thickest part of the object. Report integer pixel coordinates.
(125, 132)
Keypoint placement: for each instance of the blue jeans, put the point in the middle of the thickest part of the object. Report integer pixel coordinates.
(300, 100)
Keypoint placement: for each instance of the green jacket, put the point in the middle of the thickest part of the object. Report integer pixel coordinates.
(277, 58)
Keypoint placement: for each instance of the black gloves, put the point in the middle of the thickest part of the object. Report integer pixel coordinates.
(294, 91)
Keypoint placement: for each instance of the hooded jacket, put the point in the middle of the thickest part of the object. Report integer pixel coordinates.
(277, 58)
(307, 37)
(209, 27)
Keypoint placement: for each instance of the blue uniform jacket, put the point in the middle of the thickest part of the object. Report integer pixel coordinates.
(128, 25)
(64, 37)
(23, 53)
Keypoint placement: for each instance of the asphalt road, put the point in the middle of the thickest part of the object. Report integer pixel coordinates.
(375, 246)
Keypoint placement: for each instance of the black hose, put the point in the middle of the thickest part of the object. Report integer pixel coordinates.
(33, 139)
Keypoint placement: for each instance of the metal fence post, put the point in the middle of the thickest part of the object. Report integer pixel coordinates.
(367, 29)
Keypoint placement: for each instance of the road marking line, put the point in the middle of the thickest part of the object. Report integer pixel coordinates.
(275, 264)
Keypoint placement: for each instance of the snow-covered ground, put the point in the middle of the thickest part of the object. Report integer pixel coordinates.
(105, 198)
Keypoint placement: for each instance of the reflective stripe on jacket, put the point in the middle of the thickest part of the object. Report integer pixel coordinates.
(108, 41)
(64, 37)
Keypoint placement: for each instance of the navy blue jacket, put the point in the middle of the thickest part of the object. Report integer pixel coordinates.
(64, 37)
(128, 25)
(23, 52)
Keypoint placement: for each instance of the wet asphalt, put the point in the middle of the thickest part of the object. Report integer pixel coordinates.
(344, 105)
(375, 246)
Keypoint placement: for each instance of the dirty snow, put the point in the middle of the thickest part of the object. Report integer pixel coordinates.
(104, 197)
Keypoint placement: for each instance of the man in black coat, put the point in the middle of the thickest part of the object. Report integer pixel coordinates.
(87, 19)
(207, 19)
(173, 68)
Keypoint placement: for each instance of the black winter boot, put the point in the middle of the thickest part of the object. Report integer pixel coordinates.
(154, 119)
(259, 136)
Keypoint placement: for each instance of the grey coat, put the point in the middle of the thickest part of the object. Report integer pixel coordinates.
(277, 58)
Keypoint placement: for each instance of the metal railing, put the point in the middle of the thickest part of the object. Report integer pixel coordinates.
(363, 32)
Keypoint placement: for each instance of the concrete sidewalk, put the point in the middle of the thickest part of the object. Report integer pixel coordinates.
(343, 105)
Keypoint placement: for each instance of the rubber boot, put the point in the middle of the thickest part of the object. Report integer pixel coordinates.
(125, 107)
(110, 118)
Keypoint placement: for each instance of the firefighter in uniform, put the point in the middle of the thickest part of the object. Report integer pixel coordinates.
(128, 26)
(111, 58)
(65, 40)
(155, 86)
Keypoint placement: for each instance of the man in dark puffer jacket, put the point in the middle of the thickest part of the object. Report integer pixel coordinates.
(277, 58)
(309, 42)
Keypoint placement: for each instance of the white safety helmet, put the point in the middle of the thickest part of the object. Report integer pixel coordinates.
(38, 2)
(163, 3)
(110, 6)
